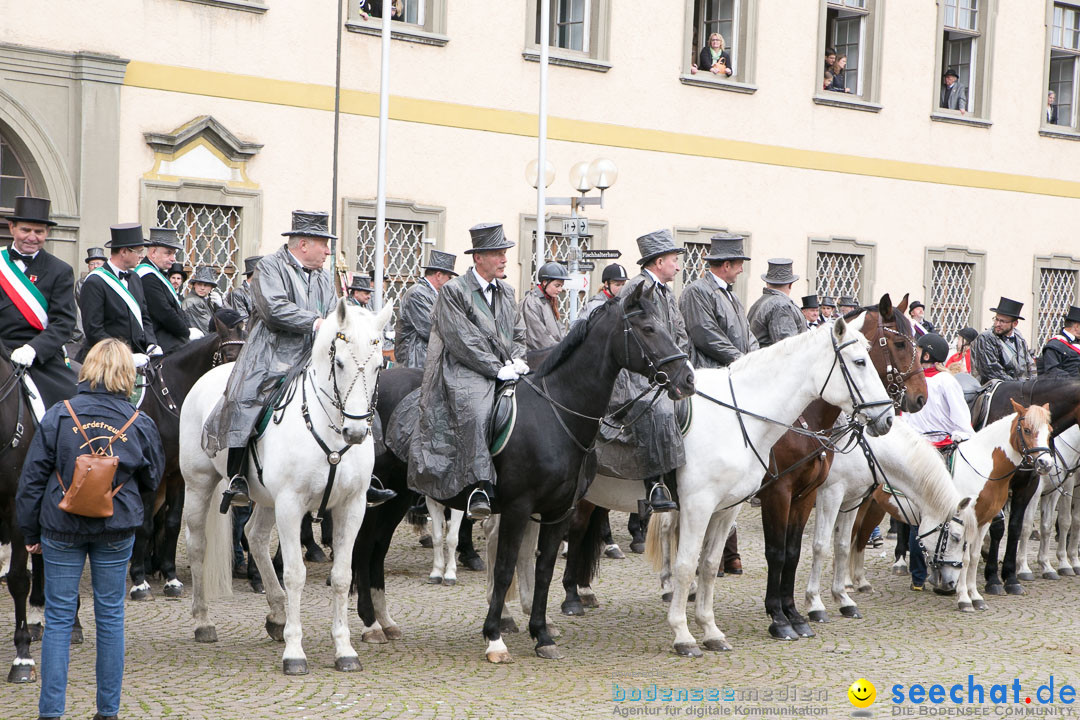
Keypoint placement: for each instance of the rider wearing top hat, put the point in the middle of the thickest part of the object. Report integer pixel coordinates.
(845, 304)
(919, 323)
(811, 310)
(775, 315)
(360, 289)
(112, 302)
(1001, 353)
(715, 318)
(239, 298)
(177, 276)
(162, 300)
(539, 309)
(37, 315)
(1061, 354)
(95, 258)
(413, 327)
(828, 307)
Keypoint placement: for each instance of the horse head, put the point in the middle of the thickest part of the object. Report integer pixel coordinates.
(894, 352)
(851, 382)
(345, 361)
(228, 325)
(648, 348)
(1030, 436)
(944, 543)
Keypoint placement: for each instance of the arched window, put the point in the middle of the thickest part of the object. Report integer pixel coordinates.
(13, 179)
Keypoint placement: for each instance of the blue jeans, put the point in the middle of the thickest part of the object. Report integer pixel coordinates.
(916, 559)
(64, 564)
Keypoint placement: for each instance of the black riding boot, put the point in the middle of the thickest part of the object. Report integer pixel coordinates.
(377, 494)
(467, 554)
(637, 525)
(657, 495)
(237, 493)
(480, 501)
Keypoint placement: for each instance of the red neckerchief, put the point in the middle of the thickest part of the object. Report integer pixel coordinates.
(1066, 343)
(931, 371)
(605, 291)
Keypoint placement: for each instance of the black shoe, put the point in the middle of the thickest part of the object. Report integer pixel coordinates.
(479, 507)
(659, 499)
(376, 496)
(236, 495)
(471, 561)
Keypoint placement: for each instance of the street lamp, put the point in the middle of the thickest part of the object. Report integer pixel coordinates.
(600, 174)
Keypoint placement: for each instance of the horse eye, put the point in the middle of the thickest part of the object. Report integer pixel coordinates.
(860, 363)
(901, 345)
(340, 363)
(648, 329)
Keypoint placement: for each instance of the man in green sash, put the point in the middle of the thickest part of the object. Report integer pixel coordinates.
(162, 300)
(37, 304)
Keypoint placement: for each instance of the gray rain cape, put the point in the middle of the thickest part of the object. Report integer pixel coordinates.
(542, 329)
(717, 325)
(414, 324)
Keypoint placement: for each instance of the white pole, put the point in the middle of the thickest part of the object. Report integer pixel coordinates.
(384, 113)
(541, 151)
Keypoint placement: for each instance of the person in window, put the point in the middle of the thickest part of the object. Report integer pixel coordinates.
(826, 83)
(830, 59)
(839, 82)
(1051, 108)
(373, 8)
(953, 94)
(714, 57)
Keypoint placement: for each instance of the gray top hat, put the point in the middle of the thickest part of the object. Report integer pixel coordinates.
(250, 263)
(95, 254)
(827, 301)
(310, 224)
(164, 237)
(655, 244)
(125, 236)
(810, 302)
(779, 272)
(31, 210)
(847, 301)
(488, 236)
(362, 282)
(443, 261)
(726, 246)
(205, 274)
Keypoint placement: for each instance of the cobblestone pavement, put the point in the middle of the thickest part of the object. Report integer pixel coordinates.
(438, 670)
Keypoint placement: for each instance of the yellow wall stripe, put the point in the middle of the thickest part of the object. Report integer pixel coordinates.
(455, 115)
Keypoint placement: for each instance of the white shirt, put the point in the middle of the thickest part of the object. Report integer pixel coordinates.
(945, 411)
(655, 279)
(19, 263)
(116, 271)
(724, 285)
(432, 286)
(485, 287)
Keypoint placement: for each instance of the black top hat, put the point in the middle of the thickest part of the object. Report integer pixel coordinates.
(968, 333)
(655, 244)
(126, 235)
(310, 224)
(362, 282)
(914, 305)
(827, 301)
(177, 268)
(164, 237)
(31, 210)
(95, 254)
(951, 71)
(488, 236)
(847, 301)
(1073, 316)
(1009, 308)
(810, 302)
(206, 274)
(250, 263)
(780, 272)
(441, 261)
(726, 246)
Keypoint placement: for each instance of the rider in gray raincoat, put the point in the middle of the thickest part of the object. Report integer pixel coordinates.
(413, 326)
(239, 298)
(538, 311)
(775, 315)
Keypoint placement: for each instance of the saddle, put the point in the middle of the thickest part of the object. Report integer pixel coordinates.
(268, 409)
(979, 402)
(503, 416)
(684, 415)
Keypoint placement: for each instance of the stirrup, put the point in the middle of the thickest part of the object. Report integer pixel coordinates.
(664, 503)
(236, 495)
(480, 509)
(377, 494)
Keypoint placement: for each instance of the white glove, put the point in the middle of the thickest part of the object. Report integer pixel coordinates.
(507, 372)
(520, 367)
(140, 359)
(195, 334)
(23, 355)
(155, 351)
(215, 297)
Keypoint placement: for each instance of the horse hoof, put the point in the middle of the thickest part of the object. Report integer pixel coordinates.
(206, 634)
(1015, 589)
(257, 588)
(507, 625)
(803, 629)
(570, 608)
(965, 607)
(434, 580)
(500, 657)
(1025, 576)
(717, 645)
(1066, 572)
(666, 597)
(316, 555)
(174, 591)
(548, 652)
(979, 604)
(614, 552)
(36, 631)
(141, 594)
(276, 631)
(1076, 569)
(449, 582)
(294, 666)
(851, 611)
(21, 674)
(638, 547)
(347, 664)
(1050, 575)
(393, 632)
(375, 637)
(995, 589)
(77, 636)
(688, 650)
(819, 616)
(865, 588)
(782, 632)
(590, 601)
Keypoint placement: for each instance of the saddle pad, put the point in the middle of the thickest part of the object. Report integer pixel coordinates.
(684, 415)
(141, 383)
(980, 406)
(268, 409)
(503, 418)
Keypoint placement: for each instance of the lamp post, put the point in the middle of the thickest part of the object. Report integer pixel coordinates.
(600, 174)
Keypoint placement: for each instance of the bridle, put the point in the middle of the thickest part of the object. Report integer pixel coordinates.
(937, 559)
(219, 354)
(13, 383)
(895, 378)
(861, 407)
(657, 378)
(1028, 455)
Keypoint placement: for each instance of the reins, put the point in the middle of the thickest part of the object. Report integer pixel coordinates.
(13, 383)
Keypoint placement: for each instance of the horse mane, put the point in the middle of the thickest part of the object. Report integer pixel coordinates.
(929, 476)
(573, 340)
(786, 348)
(1041, 416)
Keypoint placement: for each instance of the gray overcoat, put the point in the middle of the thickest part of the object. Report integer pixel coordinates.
(413, 326)
(199, 311)
(542, 330)
(716, 323)
(994, 358)
(240, 300)
(652, 445)
(287, 301)
(775, 316)
(468, 345)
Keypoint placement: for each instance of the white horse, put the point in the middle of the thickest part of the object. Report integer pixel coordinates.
(1059, 484)
(912, 467)
(1068, 510)
(444, 540)
(329, 404)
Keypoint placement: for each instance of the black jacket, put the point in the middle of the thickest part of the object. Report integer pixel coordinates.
(163, 305)
(1059, 359)
(106, 315)
(55, 446)
(705, 60)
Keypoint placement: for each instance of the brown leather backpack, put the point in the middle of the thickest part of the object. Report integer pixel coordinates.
(90, 493)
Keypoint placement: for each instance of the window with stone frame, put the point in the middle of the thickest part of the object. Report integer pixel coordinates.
(1064, 66)
(841, 266)
(210, 235)
(694, 265)
(13, 182)
(420, 21)
(403, 254)
(1056, 287)
(965, 32)
(577, 33)
(846, 24)
(949, 305)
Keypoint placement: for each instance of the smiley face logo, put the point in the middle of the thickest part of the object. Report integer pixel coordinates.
(862, 693)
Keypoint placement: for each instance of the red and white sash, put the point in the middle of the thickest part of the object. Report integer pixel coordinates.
(27, 299)
(1066, 343)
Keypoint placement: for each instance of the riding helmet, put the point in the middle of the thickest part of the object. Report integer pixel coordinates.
(553, 271)
(935, 346)
(614, 271)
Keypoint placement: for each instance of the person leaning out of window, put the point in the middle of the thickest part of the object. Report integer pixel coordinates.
(65, 540)
(839, 81)
(714, 58)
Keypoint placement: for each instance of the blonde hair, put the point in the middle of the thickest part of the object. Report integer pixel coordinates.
(723, 45)
(109, 363)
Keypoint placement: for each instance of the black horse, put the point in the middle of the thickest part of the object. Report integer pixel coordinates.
(1063, 394)
(155, 542)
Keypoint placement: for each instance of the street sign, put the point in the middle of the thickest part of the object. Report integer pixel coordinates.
(586, 266)
(601, 254)
(575, 226)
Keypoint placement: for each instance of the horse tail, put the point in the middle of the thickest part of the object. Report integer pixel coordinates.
(417, 520)
(659, 525)
(590, 548)
(218, 558)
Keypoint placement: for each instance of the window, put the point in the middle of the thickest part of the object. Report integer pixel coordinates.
(734, 20)
(853, 28)
(965, 38)
(577, 33)
(842, 266)
(13, 180)
(954, 282)
(254, 6)
(1056, 286)
(210, 235)
(1064, 51)
(697, 242)
(420, 21)
(558, 248)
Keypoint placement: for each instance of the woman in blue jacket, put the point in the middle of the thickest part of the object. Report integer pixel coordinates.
(66, 540)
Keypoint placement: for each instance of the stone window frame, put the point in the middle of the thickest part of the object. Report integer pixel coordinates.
(252, 6)
(599, 54)
(983, 64)
(599, 230)
(1056, 261)
(397, 210)
(432, 32)
(957, 254)
(701, 235)
(848, 246)
(1070, 131)
(742, 80)
(871, 58)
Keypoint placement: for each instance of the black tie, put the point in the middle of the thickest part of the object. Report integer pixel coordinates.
(492, 289)
(16, 255)
(125, 274)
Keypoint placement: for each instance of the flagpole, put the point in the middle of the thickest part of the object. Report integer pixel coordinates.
(384, 113)
(540, 245)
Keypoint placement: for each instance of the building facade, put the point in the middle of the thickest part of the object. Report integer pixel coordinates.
(217, 117)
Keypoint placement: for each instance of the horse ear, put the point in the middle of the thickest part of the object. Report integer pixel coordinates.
(885, 307)
(1017, 407)
(342, 315)
(635, 296)
(902, 307)
(1046, 407)
(219, 327)
(963, 504)
(385, 315)
(839, 328)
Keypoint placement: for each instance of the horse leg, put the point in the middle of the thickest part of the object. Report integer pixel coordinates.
(775, 507)
(22, 669)
(174, 518)
(712, 556)
(1064, 526)
(507, 624)
(453, 528)
(1023, 544)
(35, 609)
(971, 571)
(870, 515)
(511, 530)
(290, 516)
(1074, 536)
(990, 572)
(572, 573)
(694, 522)
(824, 522)
(140, 588)
(350, 516)
(526, 566)
(548, 542)
(842, 566)
(312, 551)
(1021, 498)
(1048, 505)
(257, 530)
(437, 512)
(799, 515)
